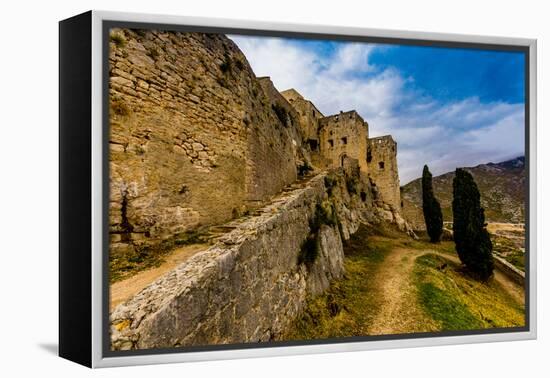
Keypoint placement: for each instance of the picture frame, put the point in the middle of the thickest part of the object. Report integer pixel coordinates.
(84, 315)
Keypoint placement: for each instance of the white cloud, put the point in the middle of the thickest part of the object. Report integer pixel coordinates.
(351, 57)
(428, 131)
(287, 65)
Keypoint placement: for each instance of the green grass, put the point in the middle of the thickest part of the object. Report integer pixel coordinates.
(442, 307)
(516, 258)
(350, 304)
(452, 314)
(446, 247)
(458, 301)
(508, 250)
(443, 291)
(142, 258)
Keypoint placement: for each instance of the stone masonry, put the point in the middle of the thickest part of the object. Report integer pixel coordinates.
(336, 137)
(309, 116)
(382, 159)
(344, 135)
(193, 136)
(245, 288)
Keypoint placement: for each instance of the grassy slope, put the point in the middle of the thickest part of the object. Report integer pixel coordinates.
(449, 297)
(457, 301)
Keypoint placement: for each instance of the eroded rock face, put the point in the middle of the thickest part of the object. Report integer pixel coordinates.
(329, 265)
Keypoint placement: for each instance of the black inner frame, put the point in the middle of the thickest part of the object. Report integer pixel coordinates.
(108, 24)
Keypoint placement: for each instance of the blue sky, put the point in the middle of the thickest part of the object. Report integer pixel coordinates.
(445, 107)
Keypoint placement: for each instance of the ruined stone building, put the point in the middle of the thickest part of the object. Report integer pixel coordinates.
(335, 138)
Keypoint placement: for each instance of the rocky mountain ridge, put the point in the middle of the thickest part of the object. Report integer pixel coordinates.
(502, 186)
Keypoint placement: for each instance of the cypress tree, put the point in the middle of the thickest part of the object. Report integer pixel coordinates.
(472, 240)
(431, 208)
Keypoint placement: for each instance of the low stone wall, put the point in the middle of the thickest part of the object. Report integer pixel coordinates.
(509, 270)
(246, 288)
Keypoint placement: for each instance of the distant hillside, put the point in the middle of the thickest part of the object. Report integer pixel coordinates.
(502, 188)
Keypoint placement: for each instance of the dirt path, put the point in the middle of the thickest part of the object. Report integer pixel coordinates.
(125, 289)
(399, 312)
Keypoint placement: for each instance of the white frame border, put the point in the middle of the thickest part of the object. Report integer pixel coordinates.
(97, 195)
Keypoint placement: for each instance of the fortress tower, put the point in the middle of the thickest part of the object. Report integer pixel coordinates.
(382, 161)
(344, 136)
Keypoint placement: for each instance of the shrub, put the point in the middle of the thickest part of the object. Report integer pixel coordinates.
(239, 64)
(304, 169)
(309, 250)
(153, 53)
(325, 213)
(118, 40)
(225, 66)
(351, 184)
(431, 208)
(140, 32)
(472, 240)
(330, 182)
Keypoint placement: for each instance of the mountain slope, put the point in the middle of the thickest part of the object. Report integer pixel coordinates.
(502, 186)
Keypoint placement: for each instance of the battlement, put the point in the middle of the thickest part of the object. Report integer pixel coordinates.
(341, 117)
(385, 140)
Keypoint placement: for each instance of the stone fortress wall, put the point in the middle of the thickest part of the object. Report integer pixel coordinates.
(193, 136)
(290, 118)
(247, 287)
